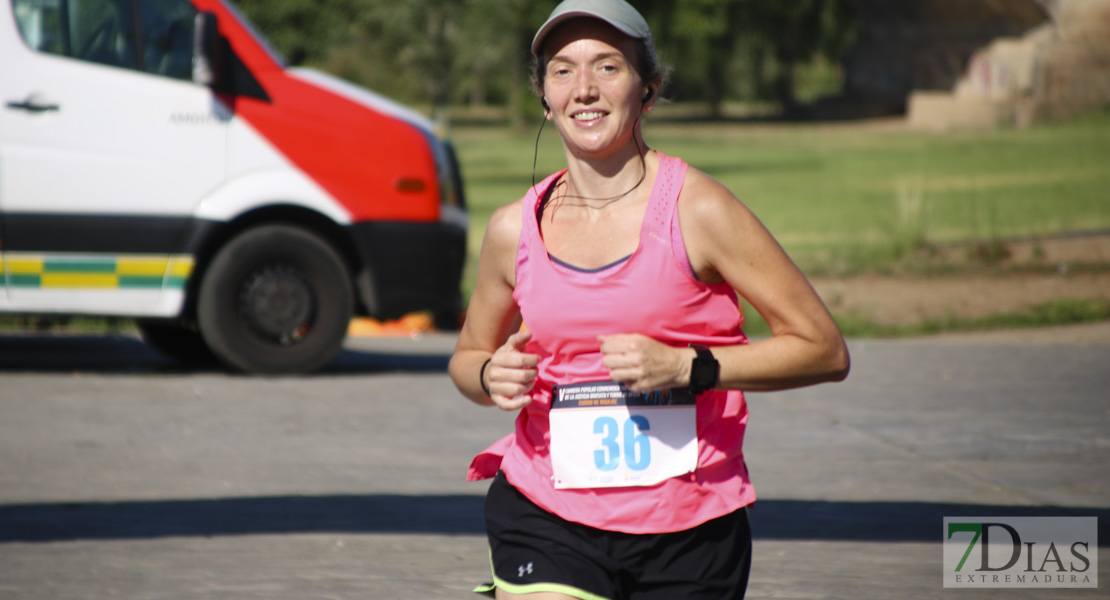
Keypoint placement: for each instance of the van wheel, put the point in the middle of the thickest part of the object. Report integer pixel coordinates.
(176, 341)
(275, 299)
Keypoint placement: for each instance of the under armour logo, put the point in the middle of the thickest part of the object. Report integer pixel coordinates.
(522, 569)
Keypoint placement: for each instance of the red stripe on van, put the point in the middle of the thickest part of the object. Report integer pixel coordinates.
(353, 152)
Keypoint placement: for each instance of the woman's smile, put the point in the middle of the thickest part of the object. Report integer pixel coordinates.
(587, 117)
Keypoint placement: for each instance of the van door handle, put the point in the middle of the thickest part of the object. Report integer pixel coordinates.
(31, 104)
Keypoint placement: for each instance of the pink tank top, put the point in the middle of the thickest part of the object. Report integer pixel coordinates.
(654, 293)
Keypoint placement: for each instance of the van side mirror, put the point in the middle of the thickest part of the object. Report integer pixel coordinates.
(209, 54)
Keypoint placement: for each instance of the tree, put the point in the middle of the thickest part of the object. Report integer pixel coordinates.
(303, 31)
(423, 34)
(494, 51)
(703, 34)
(797, 31)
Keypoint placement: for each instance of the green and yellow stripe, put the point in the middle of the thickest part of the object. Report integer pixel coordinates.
(144, 271)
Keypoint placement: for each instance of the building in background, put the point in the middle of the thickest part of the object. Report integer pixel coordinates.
(979, 63)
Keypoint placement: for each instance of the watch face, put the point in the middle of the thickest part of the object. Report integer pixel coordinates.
(703, 374)
(704, 371)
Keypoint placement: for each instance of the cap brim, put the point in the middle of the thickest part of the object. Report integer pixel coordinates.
(537, 41)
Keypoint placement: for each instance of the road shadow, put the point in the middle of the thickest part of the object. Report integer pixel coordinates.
(889, 521)
(813, 520)
(350, 361)
(127, 354)
(270, 515)
(113, 353)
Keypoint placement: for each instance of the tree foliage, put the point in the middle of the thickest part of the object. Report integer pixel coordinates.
(304, 31)
(440, 52)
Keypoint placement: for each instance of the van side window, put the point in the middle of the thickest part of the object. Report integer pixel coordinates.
(104, 31)
(99, 31)
(167, 34)
(43, 25)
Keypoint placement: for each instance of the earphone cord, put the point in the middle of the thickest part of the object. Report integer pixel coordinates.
(536, 151)
(643, 167)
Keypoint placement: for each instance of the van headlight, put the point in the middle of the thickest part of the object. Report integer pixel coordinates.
(451, 199)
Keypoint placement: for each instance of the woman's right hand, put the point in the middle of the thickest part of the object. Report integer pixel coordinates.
(511, 373)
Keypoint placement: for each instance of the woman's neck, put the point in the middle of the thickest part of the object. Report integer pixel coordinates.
(603, 180)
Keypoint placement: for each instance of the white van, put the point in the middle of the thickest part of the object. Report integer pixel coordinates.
(158, 161)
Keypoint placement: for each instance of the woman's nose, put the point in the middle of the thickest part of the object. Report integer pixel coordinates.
(585, 86)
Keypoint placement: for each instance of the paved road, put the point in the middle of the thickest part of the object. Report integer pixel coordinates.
(123, 475)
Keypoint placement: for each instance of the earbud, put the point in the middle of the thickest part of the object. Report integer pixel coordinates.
(543, 103)
(649, 93)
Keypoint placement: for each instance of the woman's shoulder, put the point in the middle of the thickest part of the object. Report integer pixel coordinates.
(500, 242)
(717, 228)
(505, 223)
(705, 199)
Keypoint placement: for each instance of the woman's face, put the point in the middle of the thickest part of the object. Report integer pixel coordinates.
(593, 92)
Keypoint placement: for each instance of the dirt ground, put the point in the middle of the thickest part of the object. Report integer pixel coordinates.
(1034, 272)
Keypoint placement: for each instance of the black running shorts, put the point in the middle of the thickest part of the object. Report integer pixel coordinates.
(532, 550)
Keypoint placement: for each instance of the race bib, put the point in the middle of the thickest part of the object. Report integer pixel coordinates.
(604, 435)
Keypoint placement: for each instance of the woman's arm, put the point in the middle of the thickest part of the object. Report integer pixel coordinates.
(726, 242)
(491, 320)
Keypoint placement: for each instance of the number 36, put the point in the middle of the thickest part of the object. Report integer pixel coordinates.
(637, 445)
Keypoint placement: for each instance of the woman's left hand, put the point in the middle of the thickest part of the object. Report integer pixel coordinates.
(643, 364)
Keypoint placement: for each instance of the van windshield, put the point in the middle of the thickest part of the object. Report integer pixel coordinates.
(262, 41)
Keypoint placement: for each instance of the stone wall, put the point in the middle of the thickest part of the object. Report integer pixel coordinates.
(908, 45)
(1059, 69)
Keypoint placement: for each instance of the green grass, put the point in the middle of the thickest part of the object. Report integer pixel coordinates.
(848, 198)
(854, 325)
(1058, 312)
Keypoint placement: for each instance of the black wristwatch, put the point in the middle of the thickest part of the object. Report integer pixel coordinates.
(705, 370)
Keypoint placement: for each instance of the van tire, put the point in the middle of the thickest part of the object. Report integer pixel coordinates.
(275, 299)
(177, 341)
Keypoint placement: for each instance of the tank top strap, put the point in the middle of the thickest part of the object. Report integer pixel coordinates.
(532, 199)
(661, 220)
(664, 195)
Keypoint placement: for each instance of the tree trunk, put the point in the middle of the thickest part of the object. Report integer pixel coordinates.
(784, 88)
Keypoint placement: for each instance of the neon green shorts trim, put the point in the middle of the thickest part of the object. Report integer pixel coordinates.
(532, 588)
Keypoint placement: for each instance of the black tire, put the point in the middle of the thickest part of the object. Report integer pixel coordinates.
(275, 299)
(176, 341)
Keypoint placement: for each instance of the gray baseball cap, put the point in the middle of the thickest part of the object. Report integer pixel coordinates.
(618, 13)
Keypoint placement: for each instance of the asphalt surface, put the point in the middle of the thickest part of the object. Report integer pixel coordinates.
(124, 475)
